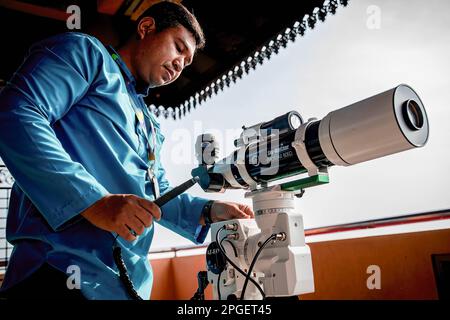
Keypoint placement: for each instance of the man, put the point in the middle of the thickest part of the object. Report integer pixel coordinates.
(84, 151)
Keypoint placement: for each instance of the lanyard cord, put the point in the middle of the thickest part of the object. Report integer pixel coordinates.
(139, 112)
(151, 150)
(117, 250)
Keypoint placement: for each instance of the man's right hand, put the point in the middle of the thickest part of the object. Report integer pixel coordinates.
(121, 212)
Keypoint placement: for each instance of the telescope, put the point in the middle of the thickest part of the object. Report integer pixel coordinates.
(267, 256)
(387, 123)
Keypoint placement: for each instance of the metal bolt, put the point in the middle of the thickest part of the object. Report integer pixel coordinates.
(233, 236)
(281, 236)
(231, 226)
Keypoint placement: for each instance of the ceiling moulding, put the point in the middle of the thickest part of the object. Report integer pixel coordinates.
(258, 57)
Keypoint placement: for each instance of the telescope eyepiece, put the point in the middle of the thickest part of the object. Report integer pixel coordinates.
(291, 120)
(413, 115)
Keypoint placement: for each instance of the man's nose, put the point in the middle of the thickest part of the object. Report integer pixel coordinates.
(177, 66)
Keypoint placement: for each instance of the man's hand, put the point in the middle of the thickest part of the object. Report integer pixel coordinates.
(221, 211)
(121, 212)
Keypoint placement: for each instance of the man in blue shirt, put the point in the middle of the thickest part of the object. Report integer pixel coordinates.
(84, 150)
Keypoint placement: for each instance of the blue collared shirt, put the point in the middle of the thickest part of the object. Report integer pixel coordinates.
(69, 135)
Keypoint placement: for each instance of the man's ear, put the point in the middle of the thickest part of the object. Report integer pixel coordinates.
(146, 25)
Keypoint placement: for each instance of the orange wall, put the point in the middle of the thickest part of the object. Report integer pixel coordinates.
(339, 268)
(176, 278)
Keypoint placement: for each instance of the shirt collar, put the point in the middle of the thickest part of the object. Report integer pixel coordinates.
(129, 78)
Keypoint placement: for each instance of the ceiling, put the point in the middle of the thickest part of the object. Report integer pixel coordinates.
(239, 36)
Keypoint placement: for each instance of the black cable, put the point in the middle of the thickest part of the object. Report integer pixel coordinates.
(123, 273)
(255, 258)
(117, 251)
(233, 264)
(231, 244)
(235, 254)
(218, 286)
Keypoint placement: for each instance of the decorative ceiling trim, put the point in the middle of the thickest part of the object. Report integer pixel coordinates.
(265, 52)
(6, 179)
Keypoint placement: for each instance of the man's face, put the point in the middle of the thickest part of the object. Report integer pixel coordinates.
(162, 56)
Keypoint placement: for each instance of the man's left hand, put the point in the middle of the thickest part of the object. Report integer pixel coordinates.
(221, 211)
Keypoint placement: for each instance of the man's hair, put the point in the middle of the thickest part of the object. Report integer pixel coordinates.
(169, 15)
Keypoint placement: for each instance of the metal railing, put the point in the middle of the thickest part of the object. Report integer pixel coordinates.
(6, 182)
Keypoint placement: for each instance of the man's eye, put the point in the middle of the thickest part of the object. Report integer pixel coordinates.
(178, 48)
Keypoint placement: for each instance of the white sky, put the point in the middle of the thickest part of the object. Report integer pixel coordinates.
(340, 62)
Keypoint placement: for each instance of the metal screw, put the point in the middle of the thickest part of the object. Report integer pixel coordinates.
(233, 236)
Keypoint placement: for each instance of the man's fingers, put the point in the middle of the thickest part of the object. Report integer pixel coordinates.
(246, 210)
(143, 216)
(135, 224)
(152, 208)
(125, 233)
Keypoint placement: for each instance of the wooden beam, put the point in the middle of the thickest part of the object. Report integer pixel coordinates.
(108, 6)
(35, 10)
